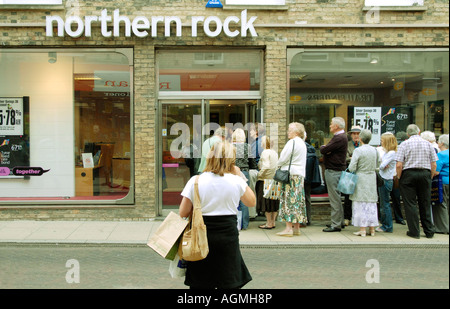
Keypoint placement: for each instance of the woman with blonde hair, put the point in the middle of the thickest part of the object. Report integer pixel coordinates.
(387, 172)
(267, 167)
(220, 188)
(292, 198)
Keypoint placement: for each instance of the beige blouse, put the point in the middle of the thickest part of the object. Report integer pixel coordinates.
(267, 164)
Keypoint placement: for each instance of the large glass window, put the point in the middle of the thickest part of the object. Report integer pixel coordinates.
(382, 90)
(73, 143)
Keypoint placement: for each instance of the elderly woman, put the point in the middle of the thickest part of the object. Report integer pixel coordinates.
(292, 198)
(245, 163)
(440, 211)
(430, 137)
(267, 167)
(364, 163)
(220, 188)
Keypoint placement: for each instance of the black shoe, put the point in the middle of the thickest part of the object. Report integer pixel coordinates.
(332, 229)
(342, 226)
(411, 235)
(402, 222)
(429, 236)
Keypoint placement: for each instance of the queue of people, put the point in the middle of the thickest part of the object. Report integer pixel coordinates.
(405, 169)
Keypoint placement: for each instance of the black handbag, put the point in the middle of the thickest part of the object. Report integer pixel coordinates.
(282, 176)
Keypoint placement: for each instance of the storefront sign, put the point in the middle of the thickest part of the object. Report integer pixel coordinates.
(213, 26)
(369, 118)
(350, 97)
(11, 116)
(214, 4)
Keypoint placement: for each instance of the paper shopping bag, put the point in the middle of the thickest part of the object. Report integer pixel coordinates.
(165, 240)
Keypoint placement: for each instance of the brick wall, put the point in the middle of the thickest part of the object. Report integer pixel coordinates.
(274, 40)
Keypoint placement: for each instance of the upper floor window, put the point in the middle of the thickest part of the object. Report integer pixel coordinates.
(394, 2)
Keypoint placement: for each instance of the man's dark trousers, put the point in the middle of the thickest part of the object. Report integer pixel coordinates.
(415, 187)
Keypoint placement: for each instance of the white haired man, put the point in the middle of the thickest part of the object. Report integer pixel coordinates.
(416, 165)
(334, 156)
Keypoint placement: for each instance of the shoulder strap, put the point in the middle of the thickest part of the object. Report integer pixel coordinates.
(290, 161)
(197, 203)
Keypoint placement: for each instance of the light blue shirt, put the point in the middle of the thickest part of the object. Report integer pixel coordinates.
(442, 166)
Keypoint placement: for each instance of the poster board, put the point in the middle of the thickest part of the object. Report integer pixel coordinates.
(382, 119)
(14, 135)
(369, 118)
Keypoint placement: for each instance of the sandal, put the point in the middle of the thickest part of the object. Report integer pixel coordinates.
(265, 227)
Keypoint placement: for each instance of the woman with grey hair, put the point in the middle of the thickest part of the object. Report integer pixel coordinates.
(364, 207)
(440, 211)
(245, 163)
(429, 136)
(292, 199)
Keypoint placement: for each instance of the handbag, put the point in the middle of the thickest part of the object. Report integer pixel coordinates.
(194, 241)
(282, 175)
(165, 240)
(437, 196)
(347, 182)
(272, 189)
(380, 180)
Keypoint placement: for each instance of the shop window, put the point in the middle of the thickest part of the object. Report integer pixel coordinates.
(74, 140)
(379, 90)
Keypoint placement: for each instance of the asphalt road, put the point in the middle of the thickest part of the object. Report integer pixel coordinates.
(128, 267)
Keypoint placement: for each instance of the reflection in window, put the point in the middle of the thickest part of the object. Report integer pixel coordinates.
(403, 86)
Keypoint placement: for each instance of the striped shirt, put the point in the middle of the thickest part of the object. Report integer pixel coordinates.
(416, 153)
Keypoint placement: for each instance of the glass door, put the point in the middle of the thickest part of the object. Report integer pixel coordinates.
(177, 135)
(183, 130)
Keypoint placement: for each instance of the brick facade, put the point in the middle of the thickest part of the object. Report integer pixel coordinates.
(304, 24)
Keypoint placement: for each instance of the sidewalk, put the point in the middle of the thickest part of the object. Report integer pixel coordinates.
(138, 233)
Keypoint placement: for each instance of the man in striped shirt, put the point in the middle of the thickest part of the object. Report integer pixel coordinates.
(416, 165)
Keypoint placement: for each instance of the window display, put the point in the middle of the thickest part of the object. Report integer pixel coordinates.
(380, 90)
(65, 120)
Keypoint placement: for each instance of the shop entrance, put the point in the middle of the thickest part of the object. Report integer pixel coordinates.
(183, 128)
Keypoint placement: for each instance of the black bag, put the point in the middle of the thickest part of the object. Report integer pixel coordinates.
(380, 180)
(283, 176)
(312, 167)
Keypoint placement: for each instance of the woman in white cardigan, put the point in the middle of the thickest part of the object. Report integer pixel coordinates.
(292, 199)
(267, 167)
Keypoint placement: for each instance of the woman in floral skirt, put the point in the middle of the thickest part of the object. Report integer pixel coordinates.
(292, 199)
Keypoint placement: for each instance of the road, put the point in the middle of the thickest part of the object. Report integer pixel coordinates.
(139, 267)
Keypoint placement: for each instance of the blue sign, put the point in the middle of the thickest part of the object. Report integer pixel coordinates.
(214, 4)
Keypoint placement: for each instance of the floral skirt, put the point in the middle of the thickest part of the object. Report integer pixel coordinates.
(292, 201)
(364, 214)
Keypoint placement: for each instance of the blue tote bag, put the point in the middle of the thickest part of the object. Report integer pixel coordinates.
(347, 182)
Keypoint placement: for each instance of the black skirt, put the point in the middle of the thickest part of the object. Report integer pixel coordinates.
(224, 267)
(263, 204)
